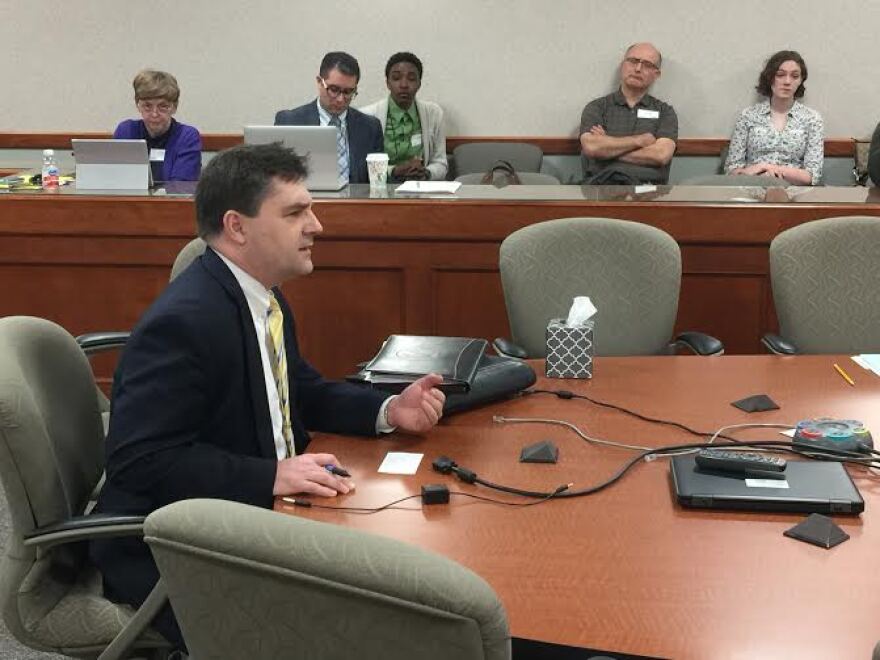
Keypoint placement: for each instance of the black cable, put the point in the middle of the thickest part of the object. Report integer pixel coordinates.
(819, 453)
(567, 394)
(308, 504)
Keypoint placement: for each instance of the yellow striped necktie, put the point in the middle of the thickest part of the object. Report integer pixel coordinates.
(278, 361)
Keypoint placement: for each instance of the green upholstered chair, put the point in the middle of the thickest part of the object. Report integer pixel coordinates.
(51, 459)
(190, 252)
(738, 180)
(478, 157)
(97, 342)
(525, 178)
(826, 287)
(252, 583)
(631, 271)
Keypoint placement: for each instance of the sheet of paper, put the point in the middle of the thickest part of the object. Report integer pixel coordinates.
(788, 432)
(859, 361)
(873, 361)
(400, 462)
(428, 187)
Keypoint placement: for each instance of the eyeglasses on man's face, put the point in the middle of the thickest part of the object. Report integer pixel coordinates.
(646, 64)
(335, 91)
(152, 107)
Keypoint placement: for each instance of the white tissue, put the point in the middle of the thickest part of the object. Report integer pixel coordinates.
(582, 310)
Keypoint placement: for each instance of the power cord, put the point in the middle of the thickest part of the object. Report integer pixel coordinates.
(445, 465)
(308, 504)
(568, 394)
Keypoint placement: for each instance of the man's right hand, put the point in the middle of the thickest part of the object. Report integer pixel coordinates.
(306, 474)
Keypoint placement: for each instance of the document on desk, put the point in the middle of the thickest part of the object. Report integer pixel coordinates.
(400, 462)
(428, 187)
(869, 361)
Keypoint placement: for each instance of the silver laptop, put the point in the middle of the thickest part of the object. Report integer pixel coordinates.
(111, 164)
(317, 143)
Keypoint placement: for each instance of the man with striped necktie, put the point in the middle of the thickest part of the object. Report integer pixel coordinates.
(359, 134)
(212, 397)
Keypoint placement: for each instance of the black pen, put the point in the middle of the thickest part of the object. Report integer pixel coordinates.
(338, 471)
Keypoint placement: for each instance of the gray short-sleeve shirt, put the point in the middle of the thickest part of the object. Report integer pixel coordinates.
(619, 120)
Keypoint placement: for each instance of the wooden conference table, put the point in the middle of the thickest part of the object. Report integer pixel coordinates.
(628, 569)
(388, 263)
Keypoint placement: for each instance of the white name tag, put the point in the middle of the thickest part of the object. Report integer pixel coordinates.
(157, 155)
(648, 114)
(766, 483)
(416, 139)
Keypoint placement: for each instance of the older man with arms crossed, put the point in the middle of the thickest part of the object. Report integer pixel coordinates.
(628, 137)
(212, 397)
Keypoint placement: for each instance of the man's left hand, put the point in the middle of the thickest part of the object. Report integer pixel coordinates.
(419, 407)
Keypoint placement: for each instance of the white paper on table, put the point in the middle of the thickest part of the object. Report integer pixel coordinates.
(859, 361)
(872, 360)
(788, 432)
(428, 187)
(400, 462)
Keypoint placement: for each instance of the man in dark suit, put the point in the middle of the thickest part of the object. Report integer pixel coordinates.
(200, 405)
(360, 134)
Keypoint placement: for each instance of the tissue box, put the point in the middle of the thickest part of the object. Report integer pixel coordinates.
(569, 350)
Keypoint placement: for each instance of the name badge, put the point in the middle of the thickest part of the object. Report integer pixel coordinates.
(643, 113)
(416, 140)
(157, 155)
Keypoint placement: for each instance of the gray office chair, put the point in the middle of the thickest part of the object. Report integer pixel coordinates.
(478, 157)
(51, 458)
(97, 342)
(631, 271)
(826, 287)
(525, 178)
(739, 180)
(190, 252)
(252, 583)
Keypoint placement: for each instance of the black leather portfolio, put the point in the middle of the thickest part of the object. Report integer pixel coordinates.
(406, 358)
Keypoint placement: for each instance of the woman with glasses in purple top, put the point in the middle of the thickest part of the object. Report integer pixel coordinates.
(175, 148)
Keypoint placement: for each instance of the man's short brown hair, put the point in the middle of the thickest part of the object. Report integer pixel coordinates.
(149, 84)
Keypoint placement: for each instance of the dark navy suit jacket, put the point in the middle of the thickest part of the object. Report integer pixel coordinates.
(190, 416)
(364, 135)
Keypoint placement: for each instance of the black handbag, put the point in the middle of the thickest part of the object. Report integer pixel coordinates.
(506, 175)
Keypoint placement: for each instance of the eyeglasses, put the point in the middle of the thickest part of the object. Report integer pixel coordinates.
(162, 108)
(646, 64)
(335, 91)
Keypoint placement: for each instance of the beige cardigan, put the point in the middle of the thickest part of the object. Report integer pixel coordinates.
(433, 135)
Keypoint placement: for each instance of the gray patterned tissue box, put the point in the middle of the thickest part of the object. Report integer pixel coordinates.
(569, 350)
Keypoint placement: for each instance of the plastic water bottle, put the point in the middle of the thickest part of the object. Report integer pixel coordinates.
(50, 169)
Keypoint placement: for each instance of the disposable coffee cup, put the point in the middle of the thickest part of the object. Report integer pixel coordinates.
(377, 168)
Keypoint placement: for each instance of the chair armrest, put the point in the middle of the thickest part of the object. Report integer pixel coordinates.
(82, 528)
(95, 342)
(700, 343)
(507, 348)
(778, 345)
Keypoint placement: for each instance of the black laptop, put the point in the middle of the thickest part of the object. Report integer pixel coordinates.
(808, 487)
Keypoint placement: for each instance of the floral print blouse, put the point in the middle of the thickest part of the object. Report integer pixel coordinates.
(800, 144)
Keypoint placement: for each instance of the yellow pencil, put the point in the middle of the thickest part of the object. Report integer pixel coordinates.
(844, 375)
